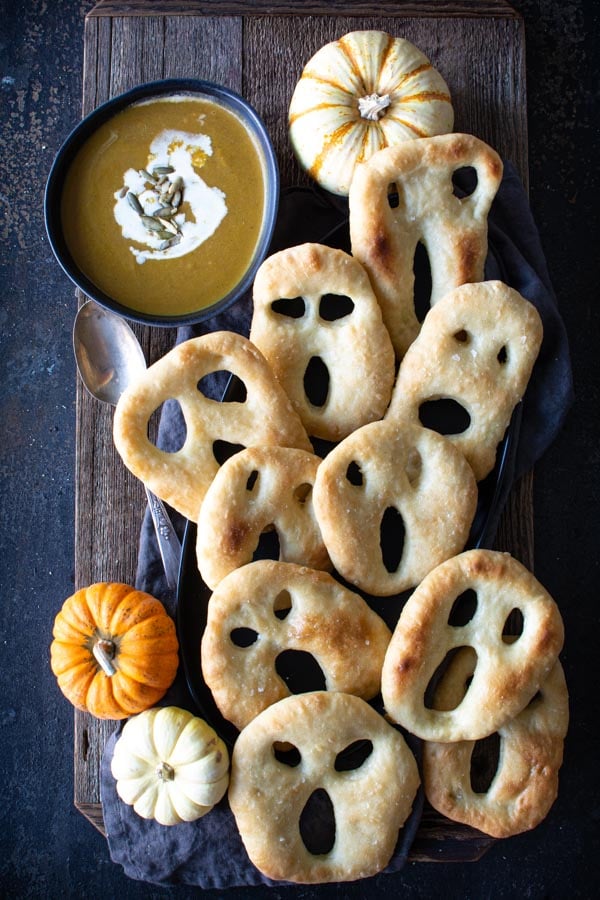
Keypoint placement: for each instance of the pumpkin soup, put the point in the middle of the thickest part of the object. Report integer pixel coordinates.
(163, 205)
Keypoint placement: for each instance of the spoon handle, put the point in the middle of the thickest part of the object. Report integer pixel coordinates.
(168, 542)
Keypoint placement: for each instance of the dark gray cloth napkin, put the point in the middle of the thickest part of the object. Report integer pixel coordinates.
(209, 853)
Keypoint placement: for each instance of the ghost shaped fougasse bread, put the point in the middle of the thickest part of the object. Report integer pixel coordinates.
(181, 478)
(405, 195)
(525, 783)
(317, 321)
(477, 347)
(392, 501)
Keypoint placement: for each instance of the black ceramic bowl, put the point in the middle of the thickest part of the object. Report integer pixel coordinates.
(56, 179)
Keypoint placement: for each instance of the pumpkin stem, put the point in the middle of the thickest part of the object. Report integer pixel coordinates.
(104, 651)
(165, 772)
(373, 106)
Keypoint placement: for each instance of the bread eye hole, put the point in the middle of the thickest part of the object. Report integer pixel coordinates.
(335, 306)
(316, 381)
(444, 415)
(303, 492)
(462, 336)
(513, 626)
(176, 436)
(464, 182)
(414, 466)
(485, 759)
(353, 756)
(224, 450)
(286, 753)
(213, 385)
(252, 479)
(391, 538)
(290, 307)
(502, 355)
(317, 823)
(463, 608)
(243, 637)
(282, 605)
(354, 474)
(393, 195)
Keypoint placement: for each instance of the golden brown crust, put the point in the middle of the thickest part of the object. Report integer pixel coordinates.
(404, 467)
(526, 782)
(258, 489)
(370, 803)
(477, 346)
(346, 638)
(453, 229)
(266, 416)
(356, 348)
(507, 673)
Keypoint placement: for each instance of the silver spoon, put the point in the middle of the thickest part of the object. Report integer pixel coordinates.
(109, 356)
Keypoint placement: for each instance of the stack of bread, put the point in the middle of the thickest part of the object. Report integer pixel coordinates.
(336, 352)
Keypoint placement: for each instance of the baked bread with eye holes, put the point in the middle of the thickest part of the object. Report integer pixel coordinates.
(525, 784)
(295, 751)
(317, 321)
(508, 672)
(405, 195)
(477, 348)
(393, 501)
(258, 489)
(265, 416)
(266, 609)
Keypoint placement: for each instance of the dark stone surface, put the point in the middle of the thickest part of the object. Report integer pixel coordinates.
(47, 848)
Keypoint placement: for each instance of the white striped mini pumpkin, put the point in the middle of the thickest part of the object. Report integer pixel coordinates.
(361, 93)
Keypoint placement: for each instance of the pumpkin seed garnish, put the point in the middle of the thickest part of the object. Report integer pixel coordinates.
(169, 195)
(135, 203)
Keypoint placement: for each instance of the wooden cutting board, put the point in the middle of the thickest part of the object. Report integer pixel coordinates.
(259, 49)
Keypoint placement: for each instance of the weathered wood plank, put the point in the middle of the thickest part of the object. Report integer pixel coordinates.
(261, 56)
(426, 8)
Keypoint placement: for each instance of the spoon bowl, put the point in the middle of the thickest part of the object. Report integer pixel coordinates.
(109, 357)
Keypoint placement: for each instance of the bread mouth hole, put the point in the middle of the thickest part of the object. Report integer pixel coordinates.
(243, 637)
(317, 823)
(464, 181)
(353, 756)
(391, 538)
(513, 626)
(224, 450)
(335, 306)
(445, 691)
(175, 436)
(485, 760)
(316, 382)
(282, 604)
(502, 356)
(286, 753)
(393, 195)
(444, 415)
(354, 474)
(462, 336)
(212, 386)
(289, 307)
(463, 608)
(423, 281)
(300, 671)
(268, 546)
(252, 479)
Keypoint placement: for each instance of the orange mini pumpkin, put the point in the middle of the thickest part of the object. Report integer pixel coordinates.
(115, 651)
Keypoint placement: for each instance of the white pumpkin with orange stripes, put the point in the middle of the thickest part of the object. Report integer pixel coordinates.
(356, 95)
